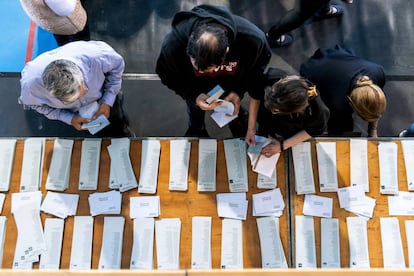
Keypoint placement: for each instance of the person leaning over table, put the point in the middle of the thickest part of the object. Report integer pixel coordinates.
(347, 84)
(292, 112)
(60, 82)
(208, 46)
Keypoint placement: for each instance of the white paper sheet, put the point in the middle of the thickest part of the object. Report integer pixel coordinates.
(143, 244)
(112, 237)
(32, 165)
(59, 170)
(388, 158)
(105, 203)
(81, 253)
(328, 179)
(408, 153)
(232, 205)
(3, 227)
(7, 150)
(144, 207)
(330, 253)
(222, 114)
(305, 242)
(318, 206)
(302, 161)
(409, 232)
(358, 242)
(150, 157)
(264, 182)
(260, 163)
(268, 203)
(401, 204)
(167, 235)
(231, 244)
(89, 165)
(392, 248)
(179, 162)
(60, 204)
(207, 162)
(359, 163)
(53, 233)
(201, 243)
(235, 153)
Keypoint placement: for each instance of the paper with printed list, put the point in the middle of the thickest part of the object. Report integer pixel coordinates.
(388, 158)
(235, 153)
(144, 207)
(328, 179)
(112, 237)
(207, 162)
(231, 244)
(392, 247)
(59, 171)
(409, 232)
(358, 242)
(408, 153)
(359, 163)
(32, 166)
(122, 167)
(330, 245)
(201, 243)
(7, 150)
(271, 248)
(143, 244)
(167, 236)
(150, 158)
(179, 162)
(302, 162)
(81, 254)
(3, 227)
(305, 242)
(50, 259)
(232, 205)
(89, 165)
(353, 199)
(317, 206)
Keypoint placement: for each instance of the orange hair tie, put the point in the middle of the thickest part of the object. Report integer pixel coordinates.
(312, 92)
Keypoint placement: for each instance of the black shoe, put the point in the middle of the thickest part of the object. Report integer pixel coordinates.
(193, 132)
(283, 41)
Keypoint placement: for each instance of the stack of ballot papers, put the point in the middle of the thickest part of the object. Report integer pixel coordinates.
(82, 238)
(302, 162)
(231, 244)
(121, 171)
(143, 244)
(30, 239)
(53, 233)
(144, 207)
(269, 203)
(222, 114)
(201, 243)
(388, 167)
(105, 203)
(408, 153)
(354, 200)
(179, 162)
(207, 163)
(235, 153)
(232, 205)
(214, 94)
(89, 165)
(59, 171)
(261, 164)
(317, 206)
(167, 237)
(401, 204)
(150, 159)
(96, 125)
(60, 205)
(112, 237)
(7, 149)
(3, 227)
(32, 167)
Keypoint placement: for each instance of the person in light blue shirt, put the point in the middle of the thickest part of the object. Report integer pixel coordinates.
(73, 80)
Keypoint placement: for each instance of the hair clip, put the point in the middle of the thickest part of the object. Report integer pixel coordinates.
(312, 91)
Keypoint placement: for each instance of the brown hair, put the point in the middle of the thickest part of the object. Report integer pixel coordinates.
(367, 99)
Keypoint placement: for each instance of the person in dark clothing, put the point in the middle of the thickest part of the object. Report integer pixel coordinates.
(209, 46)
(347, 84)
(291, 112)
(278, 34)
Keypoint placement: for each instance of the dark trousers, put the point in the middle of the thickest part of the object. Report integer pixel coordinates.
(296, 17)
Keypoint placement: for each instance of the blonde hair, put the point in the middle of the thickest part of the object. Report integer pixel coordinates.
(368, 100)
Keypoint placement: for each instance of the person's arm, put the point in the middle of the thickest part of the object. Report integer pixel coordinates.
(112, 65)
(251, 126)
(276, 146)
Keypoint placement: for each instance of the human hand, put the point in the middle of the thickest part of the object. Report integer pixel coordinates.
(201, 102)
(235, 99)
(250, 136)
(103, 109)
(273, 148)
(77, 122)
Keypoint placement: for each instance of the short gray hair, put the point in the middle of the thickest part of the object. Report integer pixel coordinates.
(62, 78)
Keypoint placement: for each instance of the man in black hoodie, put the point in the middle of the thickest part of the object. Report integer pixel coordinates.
(209, 46)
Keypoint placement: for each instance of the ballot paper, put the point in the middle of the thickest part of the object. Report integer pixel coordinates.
(401, 204)
(32, 166)
(2, 198)
(264, 182)
(358, 242)
(201, 243)
(207, 162)
(231, 244)
(3, 227)
(81, 254)
(232, 205)
(409, 232)
(167, 236)
(59, 204)
(214, 94)
(392, 248)
(317, 206)
(260, 163)
(350, 196)
(302, 161)
(143, 244)
(121, 162)
(105, 203)
(7, 149)
(50, 259)
(305, 242)
(20, 200)
(328, 179)
(112, 237)
(269, 203)
(408, 153)
(113, 181)
(150, 158)
(59, 170)
(89, 165)
(330, 245)
(89, 110)
(222, 114)
(271, 248)
(179, 162)
(235, 153)
(144, 207)
(359, 163)
(388, 156)
(96, 125)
